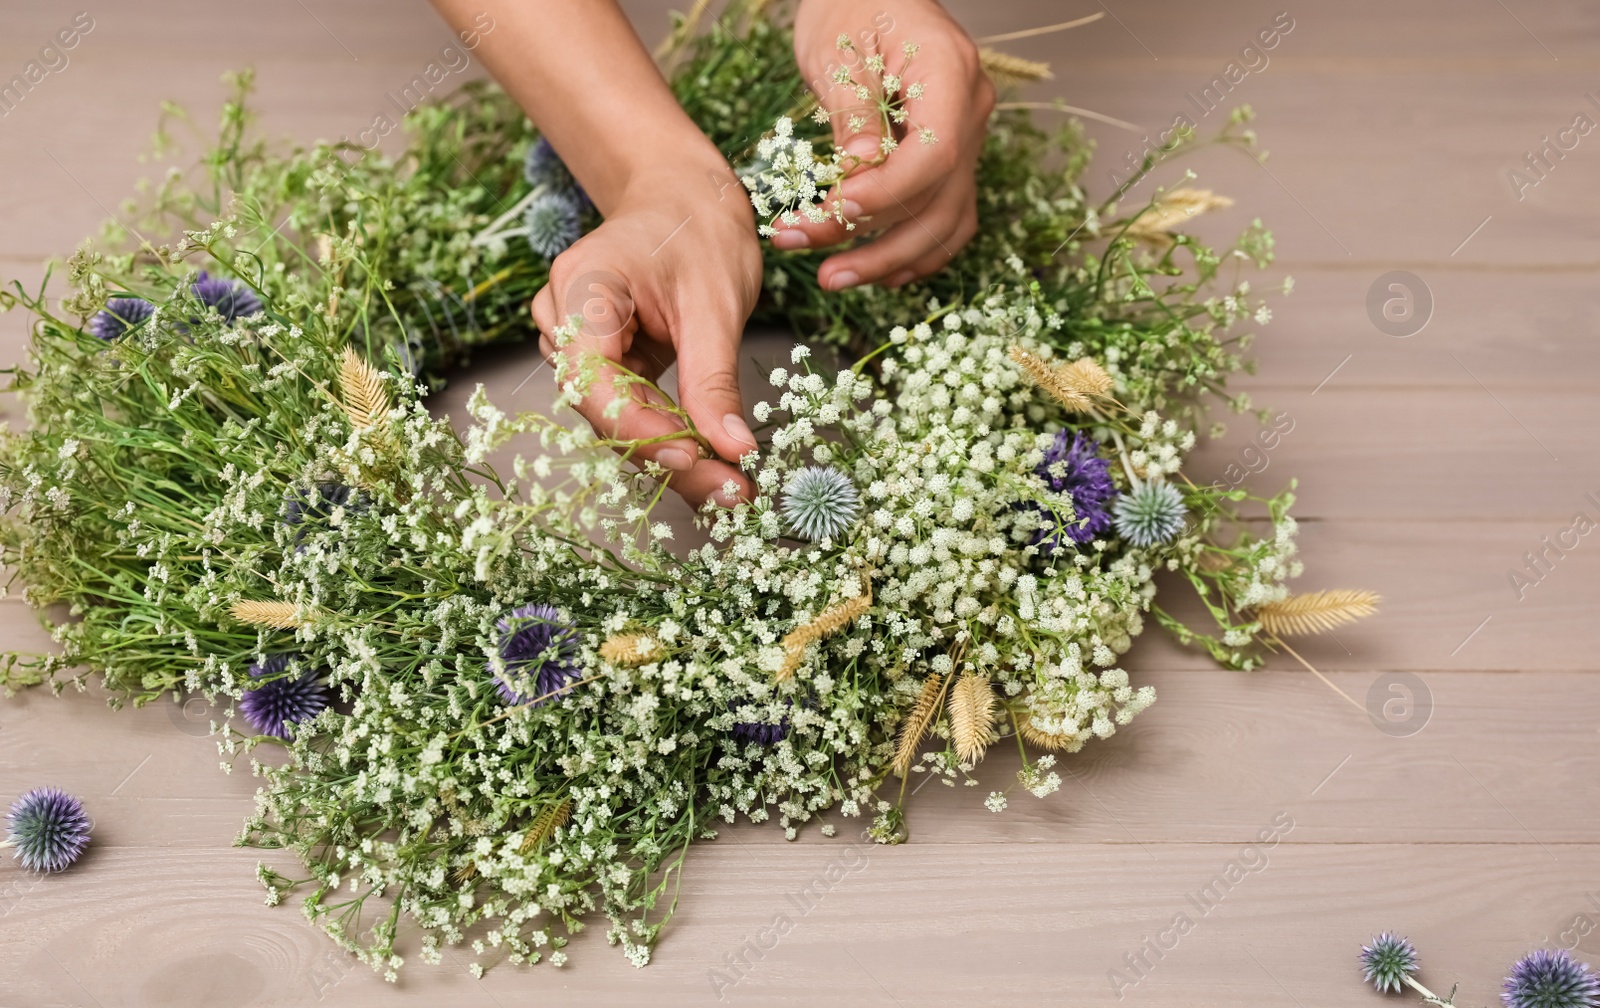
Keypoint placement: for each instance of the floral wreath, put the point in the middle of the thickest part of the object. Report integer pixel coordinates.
(503, 699)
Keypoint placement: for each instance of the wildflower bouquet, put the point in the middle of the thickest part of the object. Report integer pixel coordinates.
(502, 700)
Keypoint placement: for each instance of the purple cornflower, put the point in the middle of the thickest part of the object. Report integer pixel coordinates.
(232, 300)
(540, 654)
(1551, 979)
(49, 829)
(1072, 465)
(118, 316)
(272, 706)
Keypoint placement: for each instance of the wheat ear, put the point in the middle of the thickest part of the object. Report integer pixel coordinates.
(916, 724)
(269, 612)
(362, 392)
(971, 715)
(1316, 612)
(832, 618)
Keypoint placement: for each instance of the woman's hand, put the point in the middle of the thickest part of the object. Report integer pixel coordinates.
(672, 274)
(921, 199)
(674, 271)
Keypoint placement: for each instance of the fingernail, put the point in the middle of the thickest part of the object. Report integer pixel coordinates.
(851, 208)
(737, 429)
(842, 279)
(675, 458)
(863, 146)
(790, 239)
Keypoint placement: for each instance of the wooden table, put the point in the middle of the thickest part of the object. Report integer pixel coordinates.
(1430, 465)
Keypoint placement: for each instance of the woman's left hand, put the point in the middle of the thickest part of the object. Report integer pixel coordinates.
(920, 201)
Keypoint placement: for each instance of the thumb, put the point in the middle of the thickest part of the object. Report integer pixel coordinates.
(708, 384)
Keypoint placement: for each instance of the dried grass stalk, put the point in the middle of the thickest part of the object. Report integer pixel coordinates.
(916, 724)
(1316, 612)
(269, 612)
(362, 391)
(550, 819)
(1032, 734)
(629, 649)
(971, 715)
(1075, 386)
(832, 618)
(1009, 71)
(1172, 210)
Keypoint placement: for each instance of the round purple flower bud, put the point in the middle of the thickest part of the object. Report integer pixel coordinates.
(539, 652)
(232, 300)
(1388, 961)
(544, 167)
(1551, 979)
(553, 221)
(118, 316)
(49, 829)
(279, 700)
(304, 508)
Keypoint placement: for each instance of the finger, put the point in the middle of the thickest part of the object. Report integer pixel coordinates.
(709, 480)
(708, 379)
(910, 242)
(621, 412)
(938, 259)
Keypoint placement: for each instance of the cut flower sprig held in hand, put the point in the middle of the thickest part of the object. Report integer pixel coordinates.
(788, 181)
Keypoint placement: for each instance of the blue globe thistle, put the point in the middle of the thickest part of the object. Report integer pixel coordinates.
(305, 507)
(540, 654)
(49, 829)
(760, 732)
(232, 300)
(1388, 961)
(553, 224)
(1551, 979)
(1072, 465)
(1150, 513)
(820, 503)
(544, 167)
(118, 316)
(279, 700)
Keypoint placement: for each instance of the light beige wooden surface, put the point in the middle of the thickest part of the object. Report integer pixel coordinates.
(1429, 466)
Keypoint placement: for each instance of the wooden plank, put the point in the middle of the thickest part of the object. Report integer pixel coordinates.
(921, 924)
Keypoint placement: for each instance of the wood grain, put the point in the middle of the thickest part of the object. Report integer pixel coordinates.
(1426, 474)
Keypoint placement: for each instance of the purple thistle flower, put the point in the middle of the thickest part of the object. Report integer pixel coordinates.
(232, 299)
(1551, 979)
(540, 654)
(118, 316)
(1388, 961)
(49, 829)
(1072, 465)
(272, 706)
